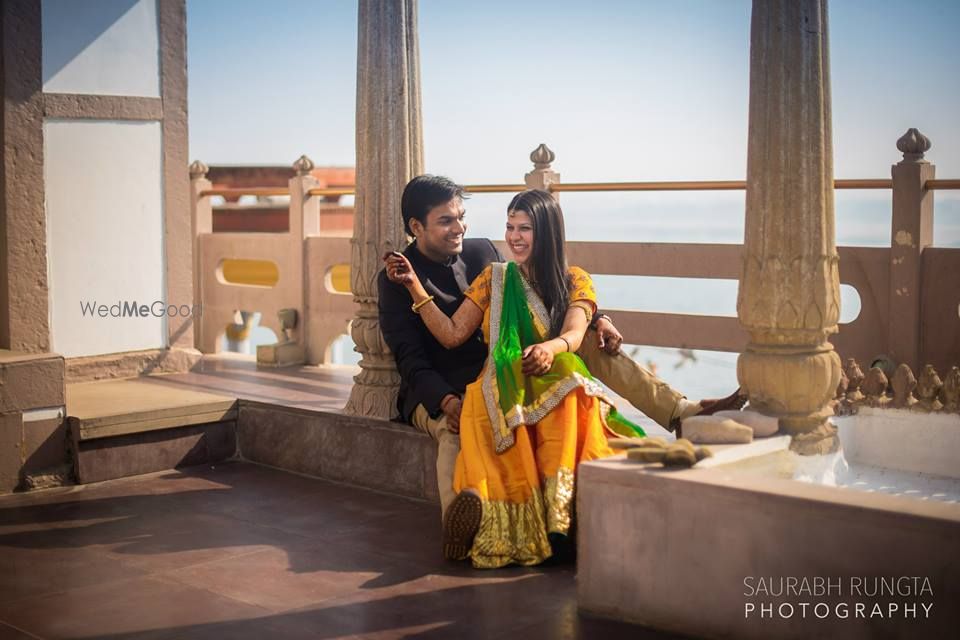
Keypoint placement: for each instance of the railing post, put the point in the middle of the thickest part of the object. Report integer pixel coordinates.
(305, 222)
(542, 175)
(911, 232)
(201, 222)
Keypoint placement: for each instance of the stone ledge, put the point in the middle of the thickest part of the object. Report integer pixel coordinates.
(30, 381)
(375, 454)
(670, 549)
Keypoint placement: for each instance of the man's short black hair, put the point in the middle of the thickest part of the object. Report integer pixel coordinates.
(425, 192)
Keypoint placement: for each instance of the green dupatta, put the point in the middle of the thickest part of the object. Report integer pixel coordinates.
(518, 319)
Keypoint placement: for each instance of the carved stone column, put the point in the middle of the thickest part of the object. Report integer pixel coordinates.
(789, 298)
(389, 154)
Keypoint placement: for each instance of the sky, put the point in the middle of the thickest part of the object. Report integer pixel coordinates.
(620, 90)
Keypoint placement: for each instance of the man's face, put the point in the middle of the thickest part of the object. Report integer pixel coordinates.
(441, 236)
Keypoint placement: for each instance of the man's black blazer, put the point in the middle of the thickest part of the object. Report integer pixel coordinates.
(428, 371)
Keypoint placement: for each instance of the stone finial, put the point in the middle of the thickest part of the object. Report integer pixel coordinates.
(913, 144)
(928, 386)
(855, 377)
(903, 384)
(843, 386)
(875, 387)
(950, 392)
(542, 157)
(198, 170)
(303, 165)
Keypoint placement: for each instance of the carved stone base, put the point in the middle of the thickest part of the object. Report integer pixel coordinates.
(374, 393)
(795, 385)
(821, 440)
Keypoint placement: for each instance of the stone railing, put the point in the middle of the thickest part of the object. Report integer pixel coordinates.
(301, 260)
(896, 387)
(908, 308)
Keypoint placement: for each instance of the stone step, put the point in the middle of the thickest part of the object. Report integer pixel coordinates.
(140, 425)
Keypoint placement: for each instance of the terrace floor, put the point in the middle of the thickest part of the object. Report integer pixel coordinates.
(239, 550)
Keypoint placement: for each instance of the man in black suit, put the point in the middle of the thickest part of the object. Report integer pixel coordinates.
(433, 378)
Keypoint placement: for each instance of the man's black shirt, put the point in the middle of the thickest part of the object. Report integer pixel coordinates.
(428, 370)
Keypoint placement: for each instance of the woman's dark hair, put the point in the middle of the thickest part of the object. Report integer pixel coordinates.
(423, 193)
(548, 261)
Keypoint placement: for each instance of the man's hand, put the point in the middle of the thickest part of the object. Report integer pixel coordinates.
(451, 406)
(608, 338)
(537, 360)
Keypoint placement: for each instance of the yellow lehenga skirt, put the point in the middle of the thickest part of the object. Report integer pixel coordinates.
(528, 490)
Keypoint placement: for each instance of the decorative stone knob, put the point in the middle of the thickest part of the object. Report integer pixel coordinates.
(875, 386)
(903, 384)
(913, 144)
(303, 165)
(542, 157)
(855, 377)
(198, 170)
(842, 387)
(950, 392)
(928, 386)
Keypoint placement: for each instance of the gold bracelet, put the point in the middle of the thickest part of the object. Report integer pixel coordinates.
(415, 307)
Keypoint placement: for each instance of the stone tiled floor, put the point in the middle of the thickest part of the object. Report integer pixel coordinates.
(242, 551)
(316, 388)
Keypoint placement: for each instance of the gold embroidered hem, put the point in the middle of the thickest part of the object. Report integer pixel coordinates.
(559, 497)
(517, 533)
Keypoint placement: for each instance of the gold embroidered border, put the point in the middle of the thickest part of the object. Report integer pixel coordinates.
(558, 492)
(516, 533)
(503, 437)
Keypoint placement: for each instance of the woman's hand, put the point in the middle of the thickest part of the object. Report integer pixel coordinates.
(537, 360)
(399, 269)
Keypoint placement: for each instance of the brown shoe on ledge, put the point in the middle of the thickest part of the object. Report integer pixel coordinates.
(709, 406)
(460, 524)
(733, 402)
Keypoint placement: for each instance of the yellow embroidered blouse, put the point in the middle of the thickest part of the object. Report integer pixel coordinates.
(581, 289)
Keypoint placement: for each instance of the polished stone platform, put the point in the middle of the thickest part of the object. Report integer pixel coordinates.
(238, 550)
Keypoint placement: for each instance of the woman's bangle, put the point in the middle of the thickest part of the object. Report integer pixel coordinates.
(415, 307)
(566, 342)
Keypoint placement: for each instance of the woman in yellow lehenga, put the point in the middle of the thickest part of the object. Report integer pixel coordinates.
(535, 412)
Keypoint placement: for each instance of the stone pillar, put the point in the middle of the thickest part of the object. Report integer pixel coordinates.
(389, 154)
(542, 175)
(24, 287)
(911, 233)
(201, 222)
(789, 298)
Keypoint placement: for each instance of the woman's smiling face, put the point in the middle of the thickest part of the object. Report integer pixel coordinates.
(519, 235)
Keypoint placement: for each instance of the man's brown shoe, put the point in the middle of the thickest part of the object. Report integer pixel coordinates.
(460, 525)
(732, 402)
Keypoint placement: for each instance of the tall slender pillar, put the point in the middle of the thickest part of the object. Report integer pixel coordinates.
(789, 298)
(389, 154)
